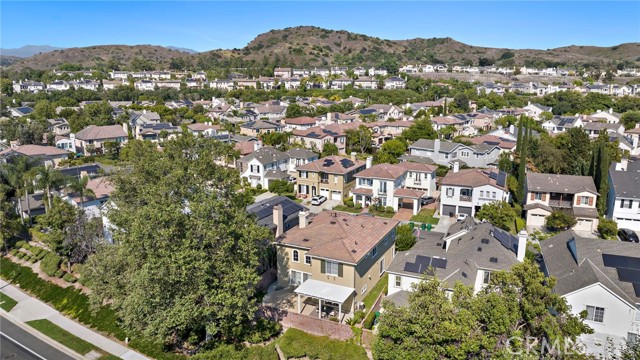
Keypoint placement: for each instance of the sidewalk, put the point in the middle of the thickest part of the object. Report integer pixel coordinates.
(29, 308)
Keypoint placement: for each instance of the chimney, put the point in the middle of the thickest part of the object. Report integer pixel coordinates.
(635, 139)
(456, 166)
(329, 116)
(125, 127)
(144, 111)
(369, 161)
(353, 156)
(522, 245)
(302, 218)
(623, 164)
(278, 219)
(512, 129)
(257, 145)
(436, 148)
(610, 110)
(528, 103)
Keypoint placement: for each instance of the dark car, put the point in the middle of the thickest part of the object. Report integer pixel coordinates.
(428, 200)
(628, 235)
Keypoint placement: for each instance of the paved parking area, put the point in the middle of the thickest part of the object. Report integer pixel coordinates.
(444, 223)
(327, 205)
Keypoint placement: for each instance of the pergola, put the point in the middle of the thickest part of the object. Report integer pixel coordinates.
(323, 292)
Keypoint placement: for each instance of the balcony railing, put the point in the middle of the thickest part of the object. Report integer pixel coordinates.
(465, 197)
(324, 181)
(560, 203)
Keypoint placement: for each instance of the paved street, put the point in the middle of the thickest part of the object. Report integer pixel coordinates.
(18, 344)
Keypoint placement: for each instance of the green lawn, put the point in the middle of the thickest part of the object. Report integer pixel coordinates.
(298, 344)
(7, 303)
(346, 208)
(62, 336)
(377, 289)
(514, 228)
(382, 214)
(425, 216)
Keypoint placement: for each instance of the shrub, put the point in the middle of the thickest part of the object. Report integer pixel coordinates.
(27, 247)
(404, 237)
(69, 278)
(560, 220)
(20, 255)
(60, 273)
(280, 187)
(42, 255)
(20, 244)
(262, 331)
(13, 252)
(259, 187)
(607, 228)
(368, 322)
(33, 259)
(333, 318)
(349, 201)
(50, 264)
(389, 209)
(358, 206)
(36, 250)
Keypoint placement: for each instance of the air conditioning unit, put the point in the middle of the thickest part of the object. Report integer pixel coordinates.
(361, 305)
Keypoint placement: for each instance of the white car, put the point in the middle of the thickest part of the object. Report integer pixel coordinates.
(462, 217)
(317, 200)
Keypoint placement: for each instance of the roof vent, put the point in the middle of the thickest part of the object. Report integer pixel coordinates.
(353, 251)
(332, 222)
(464, 274)
(485, 241)
(439, 244)
(305, 240)
(479, 249)
(493, 259)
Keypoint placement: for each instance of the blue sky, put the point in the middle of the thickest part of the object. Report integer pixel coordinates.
(206, 25)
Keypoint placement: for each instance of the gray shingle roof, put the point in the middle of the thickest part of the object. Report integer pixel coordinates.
(265, 155)
(565, 184)
(585, 267)
(300, 153)
(626, 184)
(427, 144)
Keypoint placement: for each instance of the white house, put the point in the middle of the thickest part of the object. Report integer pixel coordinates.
(58, 85)
(395, 185)
(623, 200)
(559, 124)
(395, 82)
(601, 278)
(263, 165)
(465, 191)
(534, 110)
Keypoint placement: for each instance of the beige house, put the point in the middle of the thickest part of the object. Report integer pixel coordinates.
(335, 259)
(331, 176)
(93, 137)
(546, 193)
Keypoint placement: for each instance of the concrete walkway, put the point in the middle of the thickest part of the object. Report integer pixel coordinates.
(29, 308)
(444, 223)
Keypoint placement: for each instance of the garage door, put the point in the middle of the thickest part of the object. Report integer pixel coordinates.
(583, 225)
(336, 195)
(465, 210)
(628, 224)
(536, 220)
(324, 192)
(448, 210)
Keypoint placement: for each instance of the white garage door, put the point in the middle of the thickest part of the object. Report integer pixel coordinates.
(536, 220)
(336, 195)
(324, 192)
(628, 224)
(583, 225)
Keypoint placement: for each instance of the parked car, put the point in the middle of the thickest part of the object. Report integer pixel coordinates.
(628, 235)
(462, 217)
(428, 200)
(317, 200)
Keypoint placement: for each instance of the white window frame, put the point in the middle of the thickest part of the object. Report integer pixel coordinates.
(486, 277)
(295, 255)
(307, 260)
(593, 315)
(374, 251)
(364, 289)
(537, 196)
(382, 266)
(452, 192)
(328, 265)
(397, 281)
(584, 200)
(303, 174)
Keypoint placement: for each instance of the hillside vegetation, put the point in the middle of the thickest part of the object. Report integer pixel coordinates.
(313, 46)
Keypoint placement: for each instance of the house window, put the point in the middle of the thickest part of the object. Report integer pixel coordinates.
(450, 192)
(626, 204)
(374, 252)
(307, 259)
(255, 169)
(418, 177)
(481, 193)
(331, 268)
(493, 194)
(537, 196)
(464, 153)
(296, 256)
(381, 266)
(364, 289)
(584, 200)
(398, 282)
(595, 313)
(486, 277)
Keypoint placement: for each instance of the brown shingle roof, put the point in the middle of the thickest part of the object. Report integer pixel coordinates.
(332, 164)
(470, 177)
(203, 127)
(94, 132)
(341, 237)
(302, 120)
(36, 150)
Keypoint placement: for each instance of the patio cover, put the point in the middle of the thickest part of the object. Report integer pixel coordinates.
(325, 291)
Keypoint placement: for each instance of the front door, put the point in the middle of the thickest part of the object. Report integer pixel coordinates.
(313, 191)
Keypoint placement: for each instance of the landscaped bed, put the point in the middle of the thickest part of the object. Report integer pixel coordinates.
(425, 216)
(7, 303)
(295, 343)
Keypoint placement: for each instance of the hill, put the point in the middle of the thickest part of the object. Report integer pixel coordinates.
(313, 46)
(28, 50)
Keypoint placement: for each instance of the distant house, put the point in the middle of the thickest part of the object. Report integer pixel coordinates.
(20, 111)
(366, 83)
(577, 195)
(282, 72)
(58, 85)
(594, 129)
(469, 253)
(28, 86)
(59, 126)
(299, 157)
(465, 191)
(623, 200)
(206, 129)
(600, 278)
(609, 116)
(317, 136)
(447, 153)
(257, 127)
(153, 132)
(299, 123)
(341, 83)
(263, 165)
(101, 187)
(143, 117)
(330, 176)
(534, 110)
(395, 82)
(144, 85)
(93, 137)
(47, 155)
(559, 124)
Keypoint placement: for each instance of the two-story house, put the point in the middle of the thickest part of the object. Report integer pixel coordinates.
(59, 126)
(446, 153)
(45, 155)
(465, 191)
(263, 165)
(330, 176)
(545, 193)
(394, 82)
(560, 124)
(299, 157)
(278, 213)
(299, 123)
(257, 127)
(468, 253)
(335, 259)
(601, 278)
(395, 185)
(93, 137)
(623, 200)
(317, 136)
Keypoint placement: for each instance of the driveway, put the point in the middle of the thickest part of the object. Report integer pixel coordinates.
(444, 223)
(327, 205)
(264, 196)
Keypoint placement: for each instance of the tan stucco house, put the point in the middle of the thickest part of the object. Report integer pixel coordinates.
(331, 176)
(335, 259)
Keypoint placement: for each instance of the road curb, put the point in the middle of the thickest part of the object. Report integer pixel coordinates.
(49, 341)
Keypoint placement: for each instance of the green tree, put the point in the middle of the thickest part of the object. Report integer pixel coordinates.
(43, 110)
(630, 119)
(559, 220)
(56, 221)
(359, 140)
(438, 324)
(47, 178)
(390, 151)
(499, 213)
(187, 252)
(78, 186)
(277, 139)
(607, 228)
(420, 129)
(280, 187)
(329, 149)
(405, 239)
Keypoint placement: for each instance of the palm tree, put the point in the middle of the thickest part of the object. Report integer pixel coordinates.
(47, 178)
(79, 186)
(16, 175)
